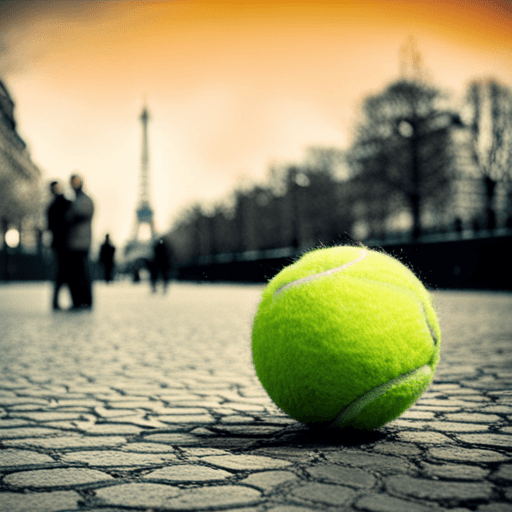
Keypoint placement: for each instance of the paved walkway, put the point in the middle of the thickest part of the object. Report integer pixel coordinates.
(150, 403)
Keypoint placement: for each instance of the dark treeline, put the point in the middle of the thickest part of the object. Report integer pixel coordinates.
(415, 166)
(298, 206)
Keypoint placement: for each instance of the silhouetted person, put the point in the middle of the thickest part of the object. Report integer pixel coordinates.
(160, 266)
(106, 258)
(458, 225)
(57, 224)
(79, 217)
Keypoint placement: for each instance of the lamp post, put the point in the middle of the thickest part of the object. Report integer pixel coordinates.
(296, 180)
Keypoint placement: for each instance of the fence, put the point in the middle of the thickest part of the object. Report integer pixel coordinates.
(483, 262)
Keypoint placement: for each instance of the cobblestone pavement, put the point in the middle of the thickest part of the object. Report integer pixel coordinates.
(150, 403)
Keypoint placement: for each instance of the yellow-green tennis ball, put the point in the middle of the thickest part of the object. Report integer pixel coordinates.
(345, 336)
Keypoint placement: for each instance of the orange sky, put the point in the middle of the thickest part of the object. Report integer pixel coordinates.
(231, 86)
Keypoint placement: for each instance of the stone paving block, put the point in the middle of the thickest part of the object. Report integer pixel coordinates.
(455, 471)
(498, 409)
(451, 426)
(222, 411)
(198, 402)
(173, 439)
(147, 448)
(236, 420)
(149, 423)
(462, 417)
(11, 458)
(111, 458)
(49, 416)
(130, 403)
(21, 400)
(6, 393)
(104, 509)
(72, 426)
(18, 433)
(382, 503)
(86, 411)
(202, 452)
(188, 473)
(292, 508)
(249, 430)
(184, 411)
(351, 477)
(437, 489)
(39, 502)
(267, 480)
(496, 507)
(485, 383)
(46, 391)
(69, 442)
(60, 477)
(504, 473)
(402, 449)
(245, 462)
(494, 440)
(112, 413)
(120, 429)
(385, 464)
(226, 443)
(441, 404)
(326, 494)
(476, 397)
(64, 403)
(434, 410)
(172, 498)
(418, 415)
(420, 438)
(23, 409)
(459, 454)
(245, 407)
(208, 497)
(183, 398)
(13, 422)
(436, 387)
(186, 419)
(137, 495)
(410, 424)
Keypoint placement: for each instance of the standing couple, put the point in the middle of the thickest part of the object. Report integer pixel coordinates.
(71, 225)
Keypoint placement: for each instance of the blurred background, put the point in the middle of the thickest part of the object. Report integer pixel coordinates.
(244, 133)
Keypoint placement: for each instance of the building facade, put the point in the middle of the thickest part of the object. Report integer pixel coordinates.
(20, 185)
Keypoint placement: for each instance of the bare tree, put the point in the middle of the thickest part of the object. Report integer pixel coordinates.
(401, 154)
(489, 106)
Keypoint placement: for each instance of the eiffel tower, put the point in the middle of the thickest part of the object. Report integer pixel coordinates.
(144, 225)
(143, 234)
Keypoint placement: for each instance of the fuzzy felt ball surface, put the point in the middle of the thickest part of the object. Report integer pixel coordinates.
(345, 336)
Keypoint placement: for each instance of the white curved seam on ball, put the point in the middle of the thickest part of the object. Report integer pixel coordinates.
(329, 272)
(351, 411)
(430, 328)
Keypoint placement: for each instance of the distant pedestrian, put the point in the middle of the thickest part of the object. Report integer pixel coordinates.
(79, 217)
(57, 224)
(106, 258)
(160, 266)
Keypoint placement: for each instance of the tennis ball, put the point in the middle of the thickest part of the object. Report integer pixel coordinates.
(345, 336)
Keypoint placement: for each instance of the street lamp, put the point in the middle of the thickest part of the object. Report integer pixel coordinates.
(297, 180)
